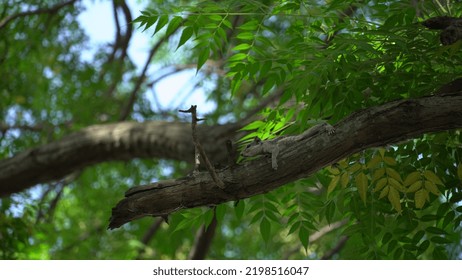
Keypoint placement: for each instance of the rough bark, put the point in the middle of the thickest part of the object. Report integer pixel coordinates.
(373, 127)
(120, 141)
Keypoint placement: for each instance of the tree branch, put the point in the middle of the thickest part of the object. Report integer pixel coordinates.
(373, 127)
(120, 141)
(50, 10)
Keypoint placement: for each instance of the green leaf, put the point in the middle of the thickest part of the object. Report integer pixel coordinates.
(238, 57)
(330, 211)
(173, 25)
(215, 17)
(427, 218)
(150, 22)
(439, 254)
(449, 218)
(163, 20)
(185, 36)
(239, 209)
(245, 36)
(304, 236)
(265, 229)
(203, 57)
(242, 47)
(435, 230)
(386, 238)
(423, 246)
(440, 240)
(250, 25)
(294, 227)
(418, 236)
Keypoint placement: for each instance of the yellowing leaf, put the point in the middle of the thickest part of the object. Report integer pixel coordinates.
(411, 178)
(345, 179)
(343, 163)
(374, 161)
(378, 174)
(242, 47)
(361, 184)
(420, 197)
(380, 184)
(382, 152)
(390, 161)
(333, 170)
(355, 167)
(333, 184)
(430, 186)
(415, 187)
(397, 185)
(432, 177)
(384, 192)
(393, 197)
(393, 174)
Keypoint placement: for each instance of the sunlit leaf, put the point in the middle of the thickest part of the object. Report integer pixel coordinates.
(174, 23)
(185, 36)
(163, 20)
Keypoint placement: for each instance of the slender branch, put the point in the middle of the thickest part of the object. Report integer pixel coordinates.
(199, 151)
(50, 10)
(131, 100)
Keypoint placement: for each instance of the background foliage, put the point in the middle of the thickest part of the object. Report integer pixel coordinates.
(318, 59)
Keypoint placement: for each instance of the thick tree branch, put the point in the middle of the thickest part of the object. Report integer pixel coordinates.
(120, 141)
(376, 126)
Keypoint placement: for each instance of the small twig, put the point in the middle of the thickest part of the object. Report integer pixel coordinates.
(199, 151)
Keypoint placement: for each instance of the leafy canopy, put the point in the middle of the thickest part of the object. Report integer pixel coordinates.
(327, 58)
